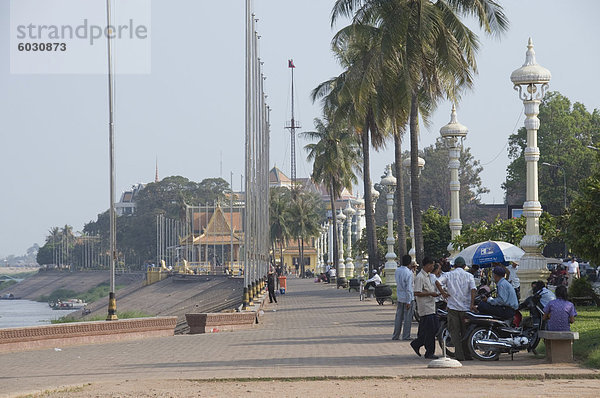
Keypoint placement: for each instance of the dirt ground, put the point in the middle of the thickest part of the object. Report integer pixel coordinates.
(446, 388)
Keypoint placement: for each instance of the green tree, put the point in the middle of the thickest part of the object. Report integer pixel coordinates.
(436, 233)
(511, 231)
(566, 130)
(435, 179)
(304, 216)
(335, 156)
(582, 231)
(279, 201)
(437, 52)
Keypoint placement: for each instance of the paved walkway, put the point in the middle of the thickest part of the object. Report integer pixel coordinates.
(315, 330)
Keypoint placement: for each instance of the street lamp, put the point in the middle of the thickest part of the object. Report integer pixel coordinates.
(531, 81)
(389, 182)
(359, 204)
(413, 250)
(349, 212)
(341, 272)
(454, 134)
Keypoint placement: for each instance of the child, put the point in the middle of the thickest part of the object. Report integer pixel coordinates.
(560, 313)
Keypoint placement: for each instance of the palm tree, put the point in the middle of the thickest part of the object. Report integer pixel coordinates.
(352, 97)
(437, 53)
(279, 201)
(336, 155)
(304, 218)
(54, 237)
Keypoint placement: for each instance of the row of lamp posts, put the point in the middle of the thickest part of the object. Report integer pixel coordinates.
(531, 80)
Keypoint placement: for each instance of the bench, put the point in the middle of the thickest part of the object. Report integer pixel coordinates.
(559, 345)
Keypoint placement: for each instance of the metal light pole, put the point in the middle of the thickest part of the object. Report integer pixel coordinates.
(454, 134)
(112, 300)
(413, 249)
(389, 182)
(349, 212)
(531, 80)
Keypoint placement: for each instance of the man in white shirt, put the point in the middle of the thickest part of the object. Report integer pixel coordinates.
(513, 278)
(460, 294)
(425, 294)
(374, 281)
(404, 293)
(573, 268)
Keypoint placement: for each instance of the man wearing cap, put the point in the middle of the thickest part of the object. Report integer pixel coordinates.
(460, 294)
(505, 304)
(404, 293)
(374, 281)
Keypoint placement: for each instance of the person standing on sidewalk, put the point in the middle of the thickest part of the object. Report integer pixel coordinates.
(271, 285)
(425, 294)
(460, 295)
(405, 296)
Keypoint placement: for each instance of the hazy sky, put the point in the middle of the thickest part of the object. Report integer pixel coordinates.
(189, 111)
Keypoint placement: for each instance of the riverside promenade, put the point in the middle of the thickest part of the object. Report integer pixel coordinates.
(315, 331)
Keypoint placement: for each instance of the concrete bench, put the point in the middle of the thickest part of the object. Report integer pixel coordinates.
(559, 345)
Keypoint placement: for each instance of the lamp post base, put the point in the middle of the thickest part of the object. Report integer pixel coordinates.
(390, 273)
(532, 267)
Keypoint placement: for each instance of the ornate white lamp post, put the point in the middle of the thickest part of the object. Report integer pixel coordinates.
(341, 272)
(413, 250)
(454, 134)
(359, 204)
(349, 212)
(531, 80)
(389, 182)
(330, 226)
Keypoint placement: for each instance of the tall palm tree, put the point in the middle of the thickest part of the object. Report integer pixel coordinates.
(279, 202)
(352, 96)
(437, 52)
(304, 218)
(335, 156)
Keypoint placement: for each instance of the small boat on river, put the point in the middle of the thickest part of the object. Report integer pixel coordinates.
(71, 304)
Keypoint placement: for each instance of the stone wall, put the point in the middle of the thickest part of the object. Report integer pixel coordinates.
(65, 334)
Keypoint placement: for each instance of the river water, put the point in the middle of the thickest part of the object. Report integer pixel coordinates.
(20, 313)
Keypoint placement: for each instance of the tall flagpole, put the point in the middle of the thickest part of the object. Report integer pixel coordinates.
(112, 301)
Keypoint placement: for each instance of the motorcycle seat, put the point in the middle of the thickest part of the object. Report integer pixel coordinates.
(479, 316)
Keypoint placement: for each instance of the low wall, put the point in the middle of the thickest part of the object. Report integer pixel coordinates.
(66, 334)
(220, 322)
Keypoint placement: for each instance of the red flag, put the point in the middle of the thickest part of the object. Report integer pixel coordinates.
(291, 63)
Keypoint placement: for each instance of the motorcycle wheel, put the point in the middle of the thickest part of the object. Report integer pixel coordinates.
(444, 334)
(478, 334)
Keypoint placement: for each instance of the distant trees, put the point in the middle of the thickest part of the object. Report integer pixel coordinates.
(136, 233)
(565, 132)
(294, 216)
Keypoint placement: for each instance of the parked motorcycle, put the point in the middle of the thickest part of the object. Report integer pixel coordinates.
(487, 336)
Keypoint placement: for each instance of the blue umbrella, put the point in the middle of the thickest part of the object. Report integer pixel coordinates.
(485, 253)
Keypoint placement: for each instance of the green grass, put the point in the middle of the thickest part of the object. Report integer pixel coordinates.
(587, 348)
(5, 284)
(120, 315)
(94, 294)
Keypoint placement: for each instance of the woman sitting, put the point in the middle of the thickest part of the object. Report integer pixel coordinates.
(560, 313)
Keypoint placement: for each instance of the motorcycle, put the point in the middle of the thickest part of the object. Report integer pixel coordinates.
(487, 336)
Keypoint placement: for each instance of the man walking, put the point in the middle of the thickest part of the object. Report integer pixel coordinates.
(425, 294)
(404, 293)
(460, 295)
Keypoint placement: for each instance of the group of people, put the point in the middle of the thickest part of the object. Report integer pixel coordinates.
(457, 288)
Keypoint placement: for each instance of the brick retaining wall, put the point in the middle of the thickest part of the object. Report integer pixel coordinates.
(65, 334)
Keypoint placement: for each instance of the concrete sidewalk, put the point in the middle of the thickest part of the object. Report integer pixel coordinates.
(315, 330)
